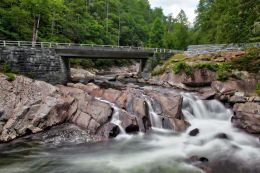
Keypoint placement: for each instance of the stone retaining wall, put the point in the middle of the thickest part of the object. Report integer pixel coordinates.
(39, 63)
(214, 48)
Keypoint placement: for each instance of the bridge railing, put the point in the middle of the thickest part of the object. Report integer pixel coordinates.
(4, 43)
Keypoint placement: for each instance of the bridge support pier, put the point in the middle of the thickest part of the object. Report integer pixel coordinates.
(142, 65)
(65, 68)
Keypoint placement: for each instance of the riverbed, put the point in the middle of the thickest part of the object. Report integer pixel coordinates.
(210, 144)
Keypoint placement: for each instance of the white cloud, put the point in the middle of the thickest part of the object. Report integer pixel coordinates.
(174, 6)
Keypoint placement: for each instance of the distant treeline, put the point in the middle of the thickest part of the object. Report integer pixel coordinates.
(128, 22)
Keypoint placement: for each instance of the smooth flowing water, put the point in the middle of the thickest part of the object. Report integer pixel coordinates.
(221, 147)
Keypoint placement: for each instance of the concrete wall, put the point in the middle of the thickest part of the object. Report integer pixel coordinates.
(42, 63)
(214, 48)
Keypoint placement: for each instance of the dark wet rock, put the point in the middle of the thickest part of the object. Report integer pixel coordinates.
(194, 132)
(65, 134)
(222, 136)
(200, 162)
(203, 159)
(247, 117)
(109, 130)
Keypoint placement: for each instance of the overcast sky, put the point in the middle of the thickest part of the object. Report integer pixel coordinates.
(174, 7)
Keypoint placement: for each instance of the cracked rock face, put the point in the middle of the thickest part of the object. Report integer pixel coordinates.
(247, 117)
(28, 107)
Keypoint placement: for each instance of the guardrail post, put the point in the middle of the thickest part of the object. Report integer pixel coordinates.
(4, 43)
(19, 43)
(50, 45)
(41, 45)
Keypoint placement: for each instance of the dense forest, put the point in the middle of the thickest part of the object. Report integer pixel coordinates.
(128, 22)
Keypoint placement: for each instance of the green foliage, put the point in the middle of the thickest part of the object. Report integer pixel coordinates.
(85, 63)
(123, 22)
(5, 68)
(182, 67)
(30, 75)
(223, 72)
(222, 21)
(258, 88)
(157, 33)
(208, 66)
(10, 76)
(159, 70)
(249, 62)
(175, 58)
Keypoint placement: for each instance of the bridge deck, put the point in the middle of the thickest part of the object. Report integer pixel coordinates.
(104, 52)
(72, 50)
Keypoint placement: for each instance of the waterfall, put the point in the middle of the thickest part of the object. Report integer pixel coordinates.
(116, 116)
(155, 119)
(195, 108)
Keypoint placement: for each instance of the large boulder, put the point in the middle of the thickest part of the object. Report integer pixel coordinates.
(81, 75)
(247, 117)
(30, 106)
(200, 77)
(168, 106)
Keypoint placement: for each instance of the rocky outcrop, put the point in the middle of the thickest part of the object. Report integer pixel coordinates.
(32, 106)
(29, 106)
(199, 78)
(81, 75)
(134, 101)
(64, 134)
(247, 117)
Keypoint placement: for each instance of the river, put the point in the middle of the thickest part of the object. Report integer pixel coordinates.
(210, 143)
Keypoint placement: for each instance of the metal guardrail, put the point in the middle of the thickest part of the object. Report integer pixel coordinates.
(4, 43)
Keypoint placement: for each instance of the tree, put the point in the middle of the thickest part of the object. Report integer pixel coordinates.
(157, 34)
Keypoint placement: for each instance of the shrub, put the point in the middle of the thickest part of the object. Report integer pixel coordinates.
(158, 70)
(85, 63)
(30, 75)
(174, 59)
(5, 68)
(249, 62)
(10, 76)
(182, 66)
(223, 72)
(258, 88)
(209, 66)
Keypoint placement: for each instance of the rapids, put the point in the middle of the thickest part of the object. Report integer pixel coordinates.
(219, 147)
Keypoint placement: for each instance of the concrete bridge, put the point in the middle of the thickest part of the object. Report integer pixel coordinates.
(49, 61)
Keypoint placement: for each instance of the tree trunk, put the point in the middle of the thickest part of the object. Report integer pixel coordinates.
(36, 25)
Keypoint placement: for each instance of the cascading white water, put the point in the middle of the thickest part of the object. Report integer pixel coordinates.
(195, 108)
(155, 119)
(116, 116)
(156, 151)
